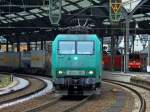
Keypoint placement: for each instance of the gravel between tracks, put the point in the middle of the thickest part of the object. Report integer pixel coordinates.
(130, 98)
(61, 106)
(22, 107)
(64, 104)
(100, 103)
(145, 94)
(106, 100)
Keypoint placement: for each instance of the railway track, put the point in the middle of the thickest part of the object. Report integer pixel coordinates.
(31, 89)
(137, 89)
(61, 104)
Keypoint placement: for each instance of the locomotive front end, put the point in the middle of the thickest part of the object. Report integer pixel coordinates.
(76, 69)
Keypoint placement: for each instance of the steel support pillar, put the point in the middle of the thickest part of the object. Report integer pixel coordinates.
(148, 59)
(126, 43)
(41, 44)
(148, 51)
(36, 45)
(18, 45)
(0, 46)
(133, 36)
(112, 50)
(7, 45)
(12, 46)
(44, 45)
(28, 46)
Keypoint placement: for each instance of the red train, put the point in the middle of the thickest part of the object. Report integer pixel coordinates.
(116, 64)
(135, 62)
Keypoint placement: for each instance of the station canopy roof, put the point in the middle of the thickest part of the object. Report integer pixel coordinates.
(26, 18)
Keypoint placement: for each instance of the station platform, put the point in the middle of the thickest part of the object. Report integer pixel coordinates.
(12, 84)
(121, 76)
(18, 83)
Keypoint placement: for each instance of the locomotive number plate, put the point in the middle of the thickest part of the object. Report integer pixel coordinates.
(75, 72)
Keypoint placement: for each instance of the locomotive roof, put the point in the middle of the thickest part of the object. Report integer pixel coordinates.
(77, 37)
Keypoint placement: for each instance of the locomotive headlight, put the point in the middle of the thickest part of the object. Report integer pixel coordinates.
(75, 58)
(91, 72)
(60, 72)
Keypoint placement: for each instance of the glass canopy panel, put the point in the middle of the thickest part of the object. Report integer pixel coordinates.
(30, 17)
(70, 7)
(64, 3)
(35, 10)
(9, 21)
(3, 21)
(74, 0)
(148, 13)
(138, 15)
(129, 5)
(1, 18)
(39, 15)
(97, 1)
(14, 19)
(20, 18)
(23, 13)
(85, 3)
(2, 39)
(11, 15)
(44, 14)
(45, 8)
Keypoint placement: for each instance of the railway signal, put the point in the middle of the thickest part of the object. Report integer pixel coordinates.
(115, 8)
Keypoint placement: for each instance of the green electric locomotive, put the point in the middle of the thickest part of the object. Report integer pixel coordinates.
(76, 64)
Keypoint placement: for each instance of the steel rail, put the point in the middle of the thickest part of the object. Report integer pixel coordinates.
(121, 83)
(25, 95)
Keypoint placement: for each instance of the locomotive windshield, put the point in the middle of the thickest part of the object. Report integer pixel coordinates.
(134, 57)
(66, 47)
(85, 47)
(73, 47)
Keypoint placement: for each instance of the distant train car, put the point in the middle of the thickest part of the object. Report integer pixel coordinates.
(9, 61)
(135, 62)
(117, 63)
(76, 64)
(35, 62)
(32, 62)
